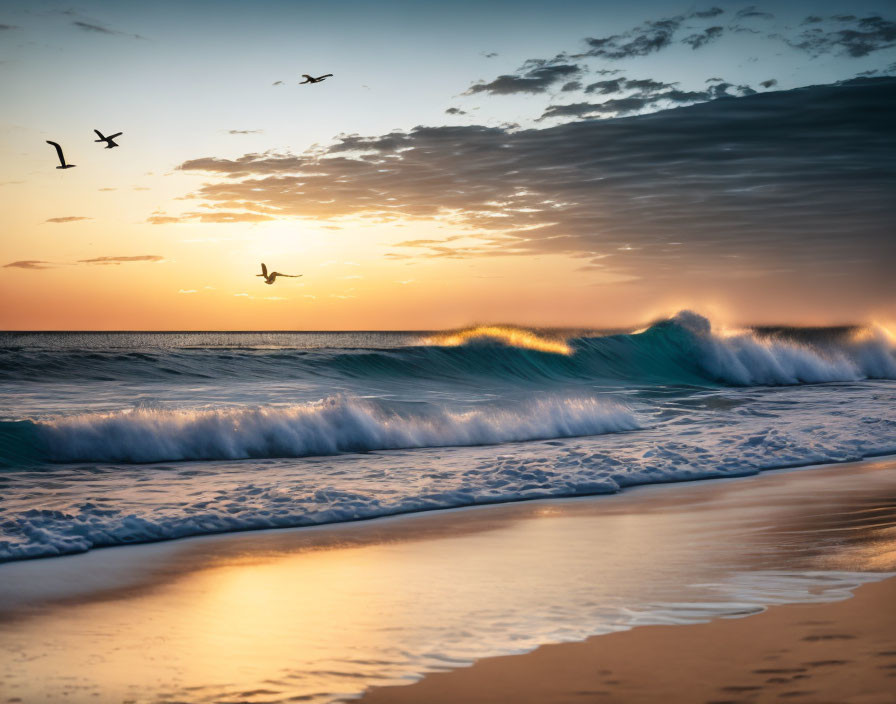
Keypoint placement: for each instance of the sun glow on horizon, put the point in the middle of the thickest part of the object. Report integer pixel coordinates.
(515, 337)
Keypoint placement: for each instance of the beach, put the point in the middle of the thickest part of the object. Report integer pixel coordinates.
(839, 653)
(326, 613)
(444, 353)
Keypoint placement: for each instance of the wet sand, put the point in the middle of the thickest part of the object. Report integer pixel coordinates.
(836, 653)
(324, 614)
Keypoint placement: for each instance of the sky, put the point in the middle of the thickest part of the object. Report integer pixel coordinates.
(572, 164)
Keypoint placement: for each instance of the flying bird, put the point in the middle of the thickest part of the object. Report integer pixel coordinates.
(61, 157)
(272, 277)
(312, 79)
(107, 140)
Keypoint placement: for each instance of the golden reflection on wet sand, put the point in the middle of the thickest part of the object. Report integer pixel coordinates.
(315, 612)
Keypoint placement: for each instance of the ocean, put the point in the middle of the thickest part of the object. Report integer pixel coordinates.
(118, 438)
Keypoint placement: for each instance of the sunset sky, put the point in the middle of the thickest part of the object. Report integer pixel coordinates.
(553, 164)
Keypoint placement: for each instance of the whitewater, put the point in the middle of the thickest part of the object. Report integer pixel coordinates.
(115, 438)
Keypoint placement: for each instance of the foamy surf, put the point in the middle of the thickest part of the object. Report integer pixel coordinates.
(326, 427)
(114, 439)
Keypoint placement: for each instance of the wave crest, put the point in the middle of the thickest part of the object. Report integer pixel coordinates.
(510, 336)
(683, 350)
(327, 427)
(749, 358)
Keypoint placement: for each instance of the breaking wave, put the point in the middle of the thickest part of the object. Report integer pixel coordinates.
(331, 426)
(684, 349)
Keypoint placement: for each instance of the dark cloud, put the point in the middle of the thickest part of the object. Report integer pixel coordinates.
(100, 29)
(618, 85)
(535, 80)
(647, 84)
(714, 80)
(812, 19)
(615, 106)
(122, 260)
(277, 83)
(244, 131)
(614, 85)
(32, 264)
(571, 86)
(489, 54)
(769, 83)
(640, 41)
(860, 38)
(700, 39)
(751, 11)
(801, 178)
(4, 27)
(455, 111)
(705, 14)
(648, 93)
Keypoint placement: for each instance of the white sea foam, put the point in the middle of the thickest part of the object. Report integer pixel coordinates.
(748, 359)
(732, 432)
(327, 427)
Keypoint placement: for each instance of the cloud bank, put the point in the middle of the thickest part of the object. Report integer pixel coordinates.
(787, 180)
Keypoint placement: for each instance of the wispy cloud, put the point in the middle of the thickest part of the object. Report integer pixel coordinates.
(856, 37)
(32, 264)
(97, 28)
(847, 35)
(68, 218)
(214, 217)
(648, 38)
(706, 14)
(123, 260)
(701, 39)
(753, 12)
(245, 131)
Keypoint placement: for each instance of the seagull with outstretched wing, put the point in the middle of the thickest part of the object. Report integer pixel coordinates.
(272, 277)
(107, 140)
(61, 156)
(312, 79)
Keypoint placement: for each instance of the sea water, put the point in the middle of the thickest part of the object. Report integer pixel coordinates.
(116, 438)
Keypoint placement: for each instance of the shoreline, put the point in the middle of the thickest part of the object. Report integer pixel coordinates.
(447, 510)
(330, 611)
(838, 652)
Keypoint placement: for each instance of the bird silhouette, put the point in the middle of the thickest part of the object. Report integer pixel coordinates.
(272, 277)
(61, 157)
(312, 79)
(107, 140)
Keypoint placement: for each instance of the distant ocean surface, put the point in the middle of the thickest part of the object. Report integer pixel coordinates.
(115, 438)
